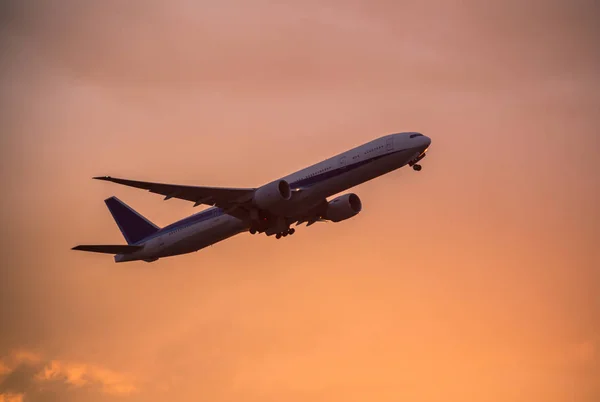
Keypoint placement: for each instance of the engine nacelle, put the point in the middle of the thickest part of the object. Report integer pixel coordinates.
(343, 207)
(272, 194)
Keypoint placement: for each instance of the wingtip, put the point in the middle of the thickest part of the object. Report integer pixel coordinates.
(102, 178)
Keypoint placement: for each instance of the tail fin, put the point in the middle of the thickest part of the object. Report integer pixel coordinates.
(133, 226)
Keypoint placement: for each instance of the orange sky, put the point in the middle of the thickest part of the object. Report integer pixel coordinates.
(476, 279)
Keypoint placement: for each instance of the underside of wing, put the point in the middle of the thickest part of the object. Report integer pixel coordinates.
(108, 249)
(310, 220)
(231, 200)
(316, 214)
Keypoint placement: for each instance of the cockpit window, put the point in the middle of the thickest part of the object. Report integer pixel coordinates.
(415, 135)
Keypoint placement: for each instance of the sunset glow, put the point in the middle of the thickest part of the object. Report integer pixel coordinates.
(475, 279)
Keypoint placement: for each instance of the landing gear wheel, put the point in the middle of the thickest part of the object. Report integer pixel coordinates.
(417, 168)
(252, 231)
(278, 236)
(284, 234)
(292, 231)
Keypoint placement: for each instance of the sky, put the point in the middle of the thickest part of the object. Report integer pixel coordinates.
(477, 278)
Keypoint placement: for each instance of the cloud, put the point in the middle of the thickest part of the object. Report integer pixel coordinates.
(3, 369)
(18, 380)
(81, 375)
(27, 376)
(21, 356)
(11, 397)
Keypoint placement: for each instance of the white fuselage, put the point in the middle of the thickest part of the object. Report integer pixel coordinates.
(310, 186)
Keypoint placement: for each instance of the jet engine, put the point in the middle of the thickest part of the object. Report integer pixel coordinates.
(343, 207)
(271, 194)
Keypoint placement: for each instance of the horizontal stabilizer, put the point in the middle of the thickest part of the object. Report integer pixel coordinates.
(108, 249)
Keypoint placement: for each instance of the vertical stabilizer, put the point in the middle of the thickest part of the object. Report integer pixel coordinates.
(133, 226)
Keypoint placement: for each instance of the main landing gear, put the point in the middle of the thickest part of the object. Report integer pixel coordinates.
(270, 225)
(278, 235)
(284, 234)
(417, 167)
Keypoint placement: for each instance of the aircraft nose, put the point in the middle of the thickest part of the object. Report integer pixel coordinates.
(425, 142)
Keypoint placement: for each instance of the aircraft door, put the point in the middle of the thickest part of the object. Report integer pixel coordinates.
(157, 245)
(389, 144)
(342, 161)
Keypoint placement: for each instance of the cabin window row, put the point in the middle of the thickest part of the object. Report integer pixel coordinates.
(318, 172)
(374, 149)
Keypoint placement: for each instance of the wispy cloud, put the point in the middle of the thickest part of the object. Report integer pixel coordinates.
(81, 375)
(24, 373)
(11, 397)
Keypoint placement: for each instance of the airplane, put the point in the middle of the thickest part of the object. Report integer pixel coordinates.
(298, 198)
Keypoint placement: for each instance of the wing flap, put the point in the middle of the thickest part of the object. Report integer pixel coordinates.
(108, 249)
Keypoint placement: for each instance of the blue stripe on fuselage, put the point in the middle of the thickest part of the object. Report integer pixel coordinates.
(311, 181)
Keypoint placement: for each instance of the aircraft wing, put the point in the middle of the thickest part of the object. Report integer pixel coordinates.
(231, 200)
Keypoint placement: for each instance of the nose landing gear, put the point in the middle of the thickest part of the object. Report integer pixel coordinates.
(414, 162)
